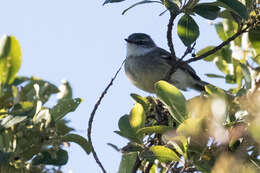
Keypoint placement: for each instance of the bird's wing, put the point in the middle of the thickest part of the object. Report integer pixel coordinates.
(184, 66)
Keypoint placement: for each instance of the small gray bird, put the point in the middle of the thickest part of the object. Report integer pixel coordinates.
(146, 64)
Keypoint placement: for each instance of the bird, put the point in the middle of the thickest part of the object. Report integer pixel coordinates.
(146, 64)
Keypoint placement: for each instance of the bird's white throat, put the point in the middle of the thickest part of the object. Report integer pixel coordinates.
(135, 50)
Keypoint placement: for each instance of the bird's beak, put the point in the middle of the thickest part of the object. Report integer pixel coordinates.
(129, 41)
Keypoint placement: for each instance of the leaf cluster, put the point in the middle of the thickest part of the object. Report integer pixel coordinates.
(32, 134)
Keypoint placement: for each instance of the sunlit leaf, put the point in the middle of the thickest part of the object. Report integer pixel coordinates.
(220, 31)
(164, 154)
(137, 117)
(187, 30)
(173, 99)
(230, 27)
(81, 141)
(207, 10)
(10, 59)
(172, 5)
(222, 65)
(236, 7)
(190, 127)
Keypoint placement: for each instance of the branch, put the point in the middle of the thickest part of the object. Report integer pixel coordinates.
(169, 36)
(91, 118)
(215, 49)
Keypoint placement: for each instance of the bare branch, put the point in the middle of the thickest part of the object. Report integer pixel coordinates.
(215, 49)
(169, 36)
(92, 115)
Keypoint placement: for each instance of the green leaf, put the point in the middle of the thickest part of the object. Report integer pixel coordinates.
(62, 128)
(81, 141)
(126, 130)
(142, 100)
(222, 65)
(63, 107)
(4, 158)
(127, 162)
(137, 117)
(19, 80)
(173, 99)
(247, 75)
(213, 90)
(230, 79)
(164, 154)
(10, 59)
(220, 31)
(133, 147)
(254, 38)
(154, 129)
(210, 57)
(139, 3)
(112, 1)
(230, 27)
(207, 10)
(226, 54)
(172, 5)
(49, 157)
(214, 75)
(46, 89)
(236, 7)
(187, 30)
(191, 127)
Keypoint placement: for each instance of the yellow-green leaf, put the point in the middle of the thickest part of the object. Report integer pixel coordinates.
(164, 154)
(173, 99)
(10, 59)
(137, 117)
(187, 30)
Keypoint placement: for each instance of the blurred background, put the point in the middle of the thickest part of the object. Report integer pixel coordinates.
(83, 42)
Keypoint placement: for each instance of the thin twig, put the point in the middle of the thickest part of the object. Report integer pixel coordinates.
(169, 36)
(215, 49)
(187, 51)
(137, 164)
(91, 118)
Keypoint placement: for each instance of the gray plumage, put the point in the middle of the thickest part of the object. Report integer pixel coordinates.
(146, 64)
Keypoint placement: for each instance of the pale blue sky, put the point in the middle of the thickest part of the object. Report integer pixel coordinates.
(83, 42)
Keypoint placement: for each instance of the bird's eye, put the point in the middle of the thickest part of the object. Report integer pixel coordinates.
(141, 42)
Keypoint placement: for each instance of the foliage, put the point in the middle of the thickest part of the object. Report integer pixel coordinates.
(32, 134)
(217, 131)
